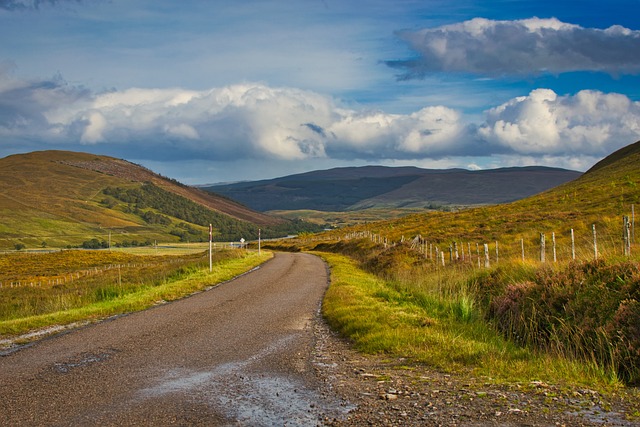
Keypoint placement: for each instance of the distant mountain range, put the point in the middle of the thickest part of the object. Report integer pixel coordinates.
(355, 188)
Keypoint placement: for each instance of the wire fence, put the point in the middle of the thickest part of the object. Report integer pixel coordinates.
(546, 246)
(62, 279)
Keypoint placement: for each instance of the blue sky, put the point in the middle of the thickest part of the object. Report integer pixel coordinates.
(213, 91)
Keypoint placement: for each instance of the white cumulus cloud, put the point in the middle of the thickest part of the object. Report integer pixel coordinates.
(544, 123)
(255, 122)
(247, 120)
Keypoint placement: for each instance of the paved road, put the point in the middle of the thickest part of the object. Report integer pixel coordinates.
(238, 354)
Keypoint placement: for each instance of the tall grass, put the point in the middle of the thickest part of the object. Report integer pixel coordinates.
(433, 317)
(117, 290)
(586, 311)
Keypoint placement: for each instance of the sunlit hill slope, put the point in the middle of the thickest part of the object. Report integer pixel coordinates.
(59, 198)
(600, 197)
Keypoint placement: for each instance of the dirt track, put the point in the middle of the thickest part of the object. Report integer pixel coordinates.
(238, 354)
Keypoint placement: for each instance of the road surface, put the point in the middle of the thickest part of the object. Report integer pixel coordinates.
(238, 354)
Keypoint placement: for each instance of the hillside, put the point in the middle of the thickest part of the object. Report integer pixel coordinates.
(601, 196)
(58, 198)
(356, 188)
(509, 269)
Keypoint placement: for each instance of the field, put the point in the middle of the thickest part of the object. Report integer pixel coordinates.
(348, 218)
(39, 290)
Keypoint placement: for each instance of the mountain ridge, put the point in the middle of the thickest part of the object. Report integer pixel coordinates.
(356, 188)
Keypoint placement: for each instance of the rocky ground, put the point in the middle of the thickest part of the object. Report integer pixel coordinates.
(381, 391)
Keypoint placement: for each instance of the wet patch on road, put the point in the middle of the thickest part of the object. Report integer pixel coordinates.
(82, 360)
(238, 392)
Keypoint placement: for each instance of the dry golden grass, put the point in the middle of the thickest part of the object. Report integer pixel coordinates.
(41, 290)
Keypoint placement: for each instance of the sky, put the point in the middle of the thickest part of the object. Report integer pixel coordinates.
(210, 91)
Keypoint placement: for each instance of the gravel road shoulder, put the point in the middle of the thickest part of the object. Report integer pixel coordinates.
(393, 392)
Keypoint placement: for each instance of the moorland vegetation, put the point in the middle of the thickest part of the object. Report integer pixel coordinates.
(422, 287)
(41, 290)
(59, 199)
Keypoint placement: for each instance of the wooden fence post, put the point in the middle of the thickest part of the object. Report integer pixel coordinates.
(486, 256)
(497, 253)
(542, 248)
(553, 240)
(626, 235)
(573, 246)
(522, 248)
(633, 224)
(595, 242)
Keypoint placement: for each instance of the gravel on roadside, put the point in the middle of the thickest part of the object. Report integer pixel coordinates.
(383, 391)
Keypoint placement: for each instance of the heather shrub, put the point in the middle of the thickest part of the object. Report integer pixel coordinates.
(589, 311)
(624, 330)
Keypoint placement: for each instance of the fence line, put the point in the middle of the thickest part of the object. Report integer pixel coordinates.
(457, 253)
(79, 274)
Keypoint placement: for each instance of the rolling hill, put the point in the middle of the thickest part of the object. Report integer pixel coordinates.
(600, 197)
(357, 188)
(60, 198)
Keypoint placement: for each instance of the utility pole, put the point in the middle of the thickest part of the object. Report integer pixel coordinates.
(210, 255)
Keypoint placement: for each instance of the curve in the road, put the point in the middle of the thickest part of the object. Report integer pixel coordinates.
(239, 353)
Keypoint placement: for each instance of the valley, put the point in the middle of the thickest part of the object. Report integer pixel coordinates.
(462, 297)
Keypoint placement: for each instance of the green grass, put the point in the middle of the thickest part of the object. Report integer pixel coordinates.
(438, 324)
(348, 218)
(117, 297)
(170, 249)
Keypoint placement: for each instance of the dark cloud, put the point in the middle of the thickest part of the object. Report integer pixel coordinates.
(317, 129)
(526, 47)
(16, 5)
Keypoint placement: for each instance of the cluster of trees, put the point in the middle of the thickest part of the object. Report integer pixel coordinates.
(103, 244)
(157, 206)
(151, 217)
(95, 244)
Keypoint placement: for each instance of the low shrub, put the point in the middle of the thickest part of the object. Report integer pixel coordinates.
(589, 311)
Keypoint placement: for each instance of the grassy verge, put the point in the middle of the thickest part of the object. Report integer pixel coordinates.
(438, 327)
(140, 297)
